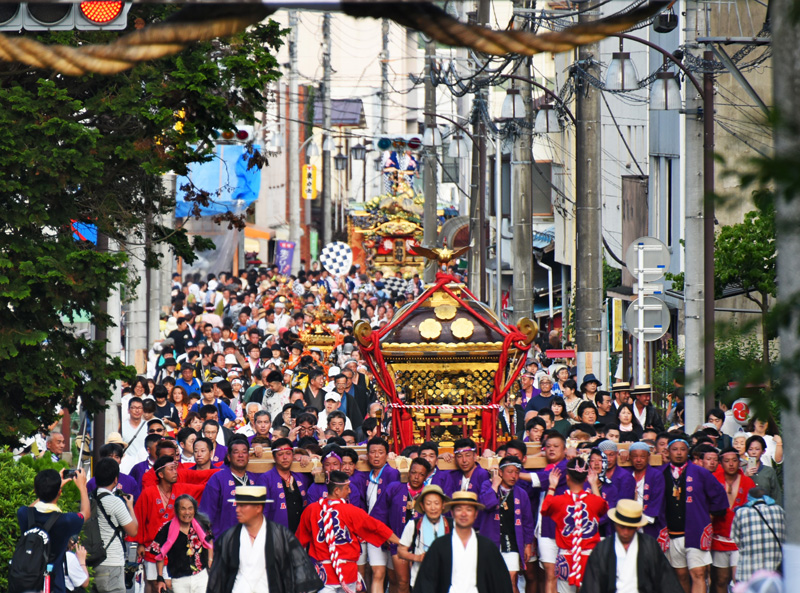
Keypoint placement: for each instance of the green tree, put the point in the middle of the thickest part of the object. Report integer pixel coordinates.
(92, 150)
(745, 258)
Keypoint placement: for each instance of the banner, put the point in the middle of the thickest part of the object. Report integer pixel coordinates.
(309, 185)
(616, 325)
(284, 253)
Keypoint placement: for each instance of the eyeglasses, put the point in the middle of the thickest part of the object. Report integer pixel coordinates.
(157, 429)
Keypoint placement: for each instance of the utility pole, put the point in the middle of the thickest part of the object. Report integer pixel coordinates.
(522, 203)
(327, 161)
(429, 219)
(589, 252)
(136, 323)
(709, 300)
(384, 125)
(477, 218)
(694, 262)
(786, 89)
(293, 145)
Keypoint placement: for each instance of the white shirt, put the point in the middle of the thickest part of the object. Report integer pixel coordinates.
(464, 575)
(247, 430)
(641, 417)
(252, 575)
(129, 431)
(323, 421)
(76, 574)
(627, 579)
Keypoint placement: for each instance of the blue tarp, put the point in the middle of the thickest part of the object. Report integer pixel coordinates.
(83, 231)
(226, 177)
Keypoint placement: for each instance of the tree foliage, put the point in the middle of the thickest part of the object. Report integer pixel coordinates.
(92, 150)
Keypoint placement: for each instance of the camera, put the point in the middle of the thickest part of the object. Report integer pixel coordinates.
(69, 473)
(120, 494)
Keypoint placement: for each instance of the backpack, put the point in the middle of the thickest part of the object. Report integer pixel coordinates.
(95, 549)
(448, 527)
(31, 556)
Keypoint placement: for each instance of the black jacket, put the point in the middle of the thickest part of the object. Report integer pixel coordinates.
(519, 420)
(653, 572)
(289, 569)
(652, 419)
(437, 566)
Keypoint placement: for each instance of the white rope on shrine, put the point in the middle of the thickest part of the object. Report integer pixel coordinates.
(445, 407)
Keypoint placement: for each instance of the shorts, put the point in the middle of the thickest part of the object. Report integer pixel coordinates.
(512, 561)
(378, 557)
(151, 571)
(681, 557)
(362, 559)
(722, 559)
(548, 550)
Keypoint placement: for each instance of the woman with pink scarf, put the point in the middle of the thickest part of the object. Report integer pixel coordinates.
(187, 549)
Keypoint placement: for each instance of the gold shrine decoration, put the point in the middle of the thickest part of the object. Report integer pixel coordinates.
(430, 329)
(462, 328)
(444, 312)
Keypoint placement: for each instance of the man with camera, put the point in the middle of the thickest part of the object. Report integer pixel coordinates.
(116, 520)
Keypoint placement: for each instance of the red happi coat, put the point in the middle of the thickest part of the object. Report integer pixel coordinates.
(351, 526)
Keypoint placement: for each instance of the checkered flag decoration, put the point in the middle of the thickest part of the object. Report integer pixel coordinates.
(337, 258)
(398, 286)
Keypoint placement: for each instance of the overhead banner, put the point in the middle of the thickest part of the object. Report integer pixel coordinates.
(284, 252)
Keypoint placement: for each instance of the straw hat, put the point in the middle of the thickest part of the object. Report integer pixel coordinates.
(464, 497)
(117, 439)
(250, 495)
(429, 489)
(628, 513)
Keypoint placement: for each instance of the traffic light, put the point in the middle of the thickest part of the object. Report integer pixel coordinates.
(105, 15)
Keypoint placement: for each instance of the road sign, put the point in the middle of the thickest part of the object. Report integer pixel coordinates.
(655, 318)
(655, 258)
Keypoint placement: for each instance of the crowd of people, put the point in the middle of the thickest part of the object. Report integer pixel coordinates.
(625, 498)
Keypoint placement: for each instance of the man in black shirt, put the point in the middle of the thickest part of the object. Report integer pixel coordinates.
(181, 335)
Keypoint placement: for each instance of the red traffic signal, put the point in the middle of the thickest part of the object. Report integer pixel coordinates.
(101, 12)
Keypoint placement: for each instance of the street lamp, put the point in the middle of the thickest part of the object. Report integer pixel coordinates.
(312, 151)
(459, 147)
(513, 105)
(432, 137)
(621, 74)
(277, 140)
(340, 161)
(359, 153)
(546, 120)
(665, 94)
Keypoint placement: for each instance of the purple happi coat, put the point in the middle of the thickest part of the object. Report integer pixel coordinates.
(704, 495)
(219, 454)
(653, 501)
(276, 510)
(390, 508)
(523, 517)
(387, 475)
(439, 477)
(548, 526)
(611, 495)
(624, 483)
(219, 489)
(318, 491)
(476, 480)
